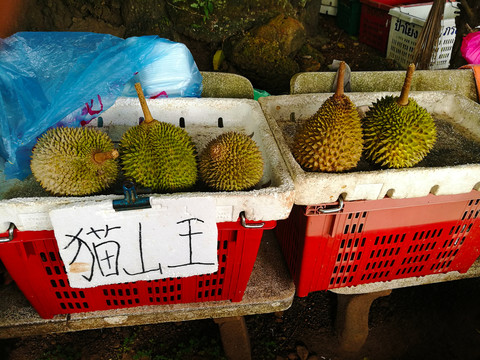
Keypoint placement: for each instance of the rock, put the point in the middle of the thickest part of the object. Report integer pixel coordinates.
(308, 14)
(265, 55)
(262, 62)
(91, 24)
(302, 351)
(226, 18)
(287, 31)
(146, 18)
(292, 356)
(309, 58)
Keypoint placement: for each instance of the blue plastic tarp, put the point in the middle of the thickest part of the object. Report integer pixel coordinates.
(50, 79)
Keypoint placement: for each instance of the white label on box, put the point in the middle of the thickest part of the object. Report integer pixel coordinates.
(99, 246)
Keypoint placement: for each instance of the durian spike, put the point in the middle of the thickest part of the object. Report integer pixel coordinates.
(143, 103)
(101, 157)
(341, 75)
(403, 99)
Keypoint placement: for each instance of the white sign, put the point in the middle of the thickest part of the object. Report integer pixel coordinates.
(99, 246)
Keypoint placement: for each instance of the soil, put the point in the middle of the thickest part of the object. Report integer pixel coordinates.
(342, 46)
(438, 322)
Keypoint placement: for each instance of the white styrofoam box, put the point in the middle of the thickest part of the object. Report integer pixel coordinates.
(204, 119)
(328, 10)
(405, 27)
(313, 188)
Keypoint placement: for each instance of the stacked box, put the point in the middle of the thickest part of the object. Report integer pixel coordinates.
(380, 240)
(33, 261)
(30, 252)
(406, 25)
(368, 224)
(348, 16)
(375, 21)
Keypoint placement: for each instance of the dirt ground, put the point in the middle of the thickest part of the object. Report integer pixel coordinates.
(342, 46)
(428, 322)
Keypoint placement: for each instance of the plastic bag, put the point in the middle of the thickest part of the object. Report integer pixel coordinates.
(50, 79)
(470, 48)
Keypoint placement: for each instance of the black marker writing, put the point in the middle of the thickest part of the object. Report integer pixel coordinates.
(80, 242)
(109, 263)
(143, 271)
(190, 234)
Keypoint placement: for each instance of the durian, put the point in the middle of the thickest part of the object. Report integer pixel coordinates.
(231, 161)
(398, 133)
(74, 161)
(331, 139)
(158, 155)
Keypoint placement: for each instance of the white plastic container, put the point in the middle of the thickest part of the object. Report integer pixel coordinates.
(406, 25)
(285, 113)
(203, 119)
(329, 7)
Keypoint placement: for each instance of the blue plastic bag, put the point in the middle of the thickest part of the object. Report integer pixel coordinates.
(50, 79)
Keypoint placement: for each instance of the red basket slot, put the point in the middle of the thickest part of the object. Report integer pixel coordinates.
(33, 261)
(380, 240)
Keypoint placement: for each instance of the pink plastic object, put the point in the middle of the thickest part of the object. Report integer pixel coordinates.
(471, 48)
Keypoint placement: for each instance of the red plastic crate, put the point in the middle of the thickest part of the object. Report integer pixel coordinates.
(375, 21)
(32, 260)
(380, 240)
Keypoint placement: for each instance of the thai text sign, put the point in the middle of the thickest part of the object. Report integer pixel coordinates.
(99, 246)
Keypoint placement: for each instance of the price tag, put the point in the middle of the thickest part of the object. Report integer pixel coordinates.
(99, 246)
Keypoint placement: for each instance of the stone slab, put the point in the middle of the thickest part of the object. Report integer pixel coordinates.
(270, 289)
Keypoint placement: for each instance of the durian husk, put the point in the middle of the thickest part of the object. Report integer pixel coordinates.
(331, 140)
(231, 162)
(74, 161)
(158, 155)
(398, 133)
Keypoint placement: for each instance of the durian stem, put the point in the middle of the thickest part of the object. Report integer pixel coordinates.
(403, 99)
(101, 157)
(143, 103)
(341, 75)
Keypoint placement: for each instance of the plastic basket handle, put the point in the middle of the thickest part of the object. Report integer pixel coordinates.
(249, 226)
(10, 234)
(334, 209)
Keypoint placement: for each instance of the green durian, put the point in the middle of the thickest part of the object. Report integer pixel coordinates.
(398, 133)
(331, 139)
(74, 161)
(158, 155)
(231, 161)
